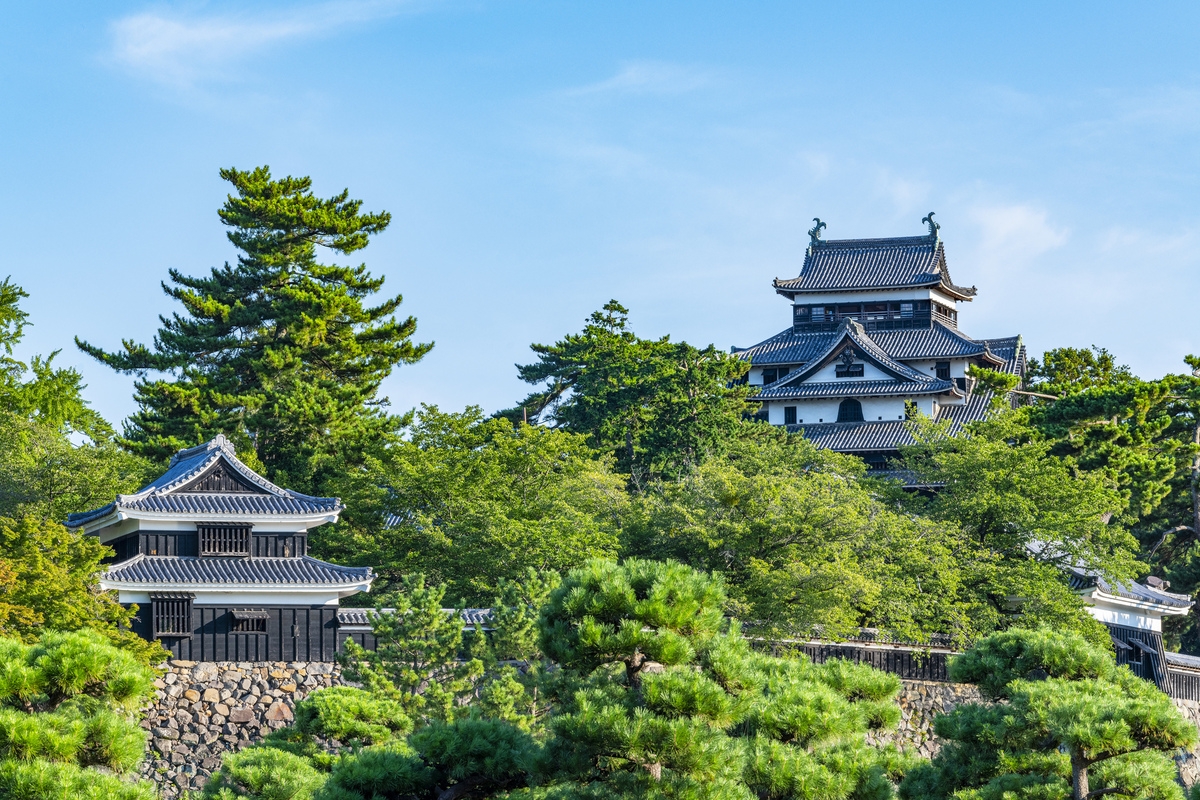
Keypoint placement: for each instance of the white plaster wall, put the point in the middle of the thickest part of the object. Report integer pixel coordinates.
(755, 377)
(810, 412)
(958, 366)
(828, 373)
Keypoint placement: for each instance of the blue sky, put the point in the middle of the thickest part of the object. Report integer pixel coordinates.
(540, 158)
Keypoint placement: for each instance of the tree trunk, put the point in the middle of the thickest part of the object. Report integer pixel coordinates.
(1079, 776)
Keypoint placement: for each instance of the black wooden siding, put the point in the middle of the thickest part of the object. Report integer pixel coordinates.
(364, 639)
(186, 543)
(903, 663)
(294, 633)
(1185, 685)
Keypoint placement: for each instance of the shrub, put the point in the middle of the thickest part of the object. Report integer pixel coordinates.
(351, 715)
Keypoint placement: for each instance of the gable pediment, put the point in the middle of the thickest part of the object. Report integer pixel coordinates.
(220, 477)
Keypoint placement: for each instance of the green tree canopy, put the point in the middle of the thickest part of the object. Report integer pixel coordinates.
(416, 661)
(469, 501)
(1029, 516)
(1066, 722)
(674, 702)
(658, 405)
(67, 718)
(280, 352)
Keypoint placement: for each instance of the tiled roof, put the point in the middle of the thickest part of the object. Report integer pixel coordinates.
(302, 571)
(854, 264)
(859, 437)
(254, 504)
(1180, 660)
(939, 341)
(1086, 579)
(1011, 351)
(781, 390)
(358, 616)
(787, 347)
(163, 495)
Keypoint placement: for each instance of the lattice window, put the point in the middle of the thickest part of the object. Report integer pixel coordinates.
(224, 540)
(172, 614)
(249, 620)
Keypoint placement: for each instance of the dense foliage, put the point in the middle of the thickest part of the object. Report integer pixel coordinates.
(659, 406)
(56, 456)
(67, 727)
(656, 694)
(280, 352)
(514, 498)
(1065, 722)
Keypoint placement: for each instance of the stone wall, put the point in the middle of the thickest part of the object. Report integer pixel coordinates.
(920, 702)
(203, 710)
(1189, 763)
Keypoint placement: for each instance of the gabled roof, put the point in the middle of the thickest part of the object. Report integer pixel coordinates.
(851, 334)
(305, 571)
(938, 341)
(210, 481)
(905, 262)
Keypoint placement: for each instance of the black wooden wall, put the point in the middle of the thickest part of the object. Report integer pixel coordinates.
(294, 633)
(185, 543)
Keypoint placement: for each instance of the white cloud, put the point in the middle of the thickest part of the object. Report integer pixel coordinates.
(1016, 233)
(648, 77)
(181, 49)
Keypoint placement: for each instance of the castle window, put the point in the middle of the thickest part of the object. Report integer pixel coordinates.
(848, 370)
(818, 314)
(249, 620)
(906, 310)
(850, 410)
(943, 370)
(789, 415)
(224, 540)
(171, 614)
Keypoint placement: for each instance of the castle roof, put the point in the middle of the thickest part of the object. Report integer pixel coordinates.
(939, 341)
(209, 481)
(257, 573)
(905, 262)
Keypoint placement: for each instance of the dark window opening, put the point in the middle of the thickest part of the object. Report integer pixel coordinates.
(171, 614)
(789, 415)
(850, 410)
(943, 370)
(224, 540)
(848, 370)
(249, 621)
(773, 374)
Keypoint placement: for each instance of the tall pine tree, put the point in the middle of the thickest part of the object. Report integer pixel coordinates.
(281, 353)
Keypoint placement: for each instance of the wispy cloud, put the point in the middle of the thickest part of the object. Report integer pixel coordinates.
(649, 77)
(182, 49)
(1016, 233)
